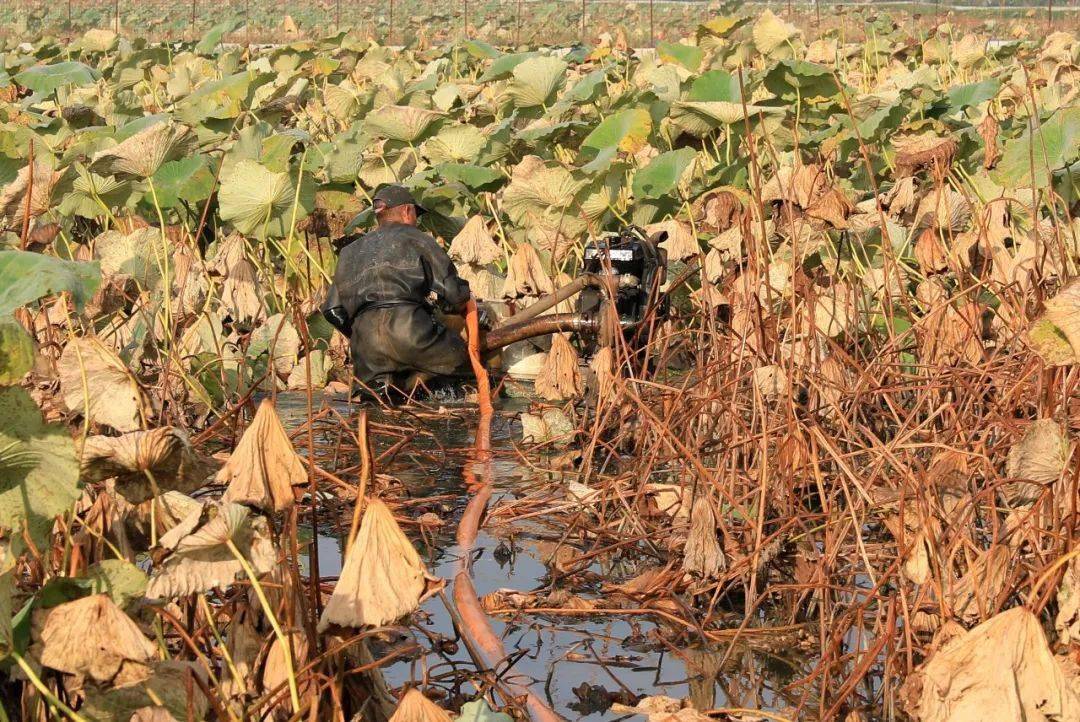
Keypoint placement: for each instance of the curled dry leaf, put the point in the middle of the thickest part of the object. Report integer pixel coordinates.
(141, 155)
(703, 554)
(1040, 456)
(264, 466)
(474, 245)
(166, 511)
(560, 377)
(525, 275)
(95, 382)
(1067, 622)
(383, 578)
(603, 368)
(415, 707)
(92, 637)
(202, 556)
(927, 150)
(678, 240)
(988, 131)
(44, 188)
(240, 294)
(1004, 665)
(140, 460)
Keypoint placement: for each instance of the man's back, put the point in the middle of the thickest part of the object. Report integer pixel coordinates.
(394, 264)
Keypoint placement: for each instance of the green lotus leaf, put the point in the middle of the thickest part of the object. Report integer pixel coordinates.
(504, 65)
(626, 130)
(16, 352)
(187, 180)
(45, 79)
(455, 144)
(662, 174)
(25, 277)
(480, 49)
(479, 711)
(258, 202)
(39, 472)
(121, 580)
(473, 177)
(588, 89)
(95, 196)
(698, 118)
(798, 80)
(404, 123)
(965, 96)
(536, 80)
(715, 85)
(387, 166)
(688, 56)
(143, 153)
(1052, 147)
(212, 38)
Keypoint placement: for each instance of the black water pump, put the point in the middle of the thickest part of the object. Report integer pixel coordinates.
(634, 267)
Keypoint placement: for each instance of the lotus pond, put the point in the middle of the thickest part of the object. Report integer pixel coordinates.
(839, 480)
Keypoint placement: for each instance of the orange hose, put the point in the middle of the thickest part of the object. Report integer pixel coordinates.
(472, 326)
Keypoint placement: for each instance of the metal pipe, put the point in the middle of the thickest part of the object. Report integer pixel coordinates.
(553, 323)
(552, 299)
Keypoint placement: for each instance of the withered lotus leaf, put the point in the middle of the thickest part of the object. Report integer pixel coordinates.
(415, 707)
(92, 637)
(560, 377)
(201, 557)
(140, 460)
(1003, 666)
(264, 466)
(383, 578)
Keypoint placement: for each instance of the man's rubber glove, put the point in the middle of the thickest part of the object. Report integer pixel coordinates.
(339, 319)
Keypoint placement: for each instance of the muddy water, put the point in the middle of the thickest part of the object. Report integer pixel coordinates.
(567, 660)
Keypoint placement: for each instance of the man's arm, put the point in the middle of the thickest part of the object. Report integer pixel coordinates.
(452, 290)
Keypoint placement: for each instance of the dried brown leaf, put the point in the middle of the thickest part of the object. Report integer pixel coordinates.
(264, 467)
(383, 578)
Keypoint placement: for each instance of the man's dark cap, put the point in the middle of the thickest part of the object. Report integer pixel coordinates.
(394, 195)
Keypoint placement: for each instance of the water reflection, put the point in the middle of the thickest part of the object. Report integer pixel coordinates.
(578, 664)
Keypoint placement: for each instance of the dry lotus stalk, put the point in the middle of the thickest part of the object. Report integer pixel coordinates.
(95, 382)
(525, 275)
(415, 707)
(383, 578)
(1039, 457)
(202, 556)
(92, 637)
(139, 461)
(988, 130)
(474, 245)
(1003, 667)
(926, 150)
(264, 466)
(702, 554)
(560, 377)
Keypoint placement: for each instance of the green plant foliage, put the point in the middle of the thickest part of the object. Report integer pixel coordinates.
(45, 79)
(261, 203)
(25, 277)
(39, 472)
(1031, 159)
(662, 175)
